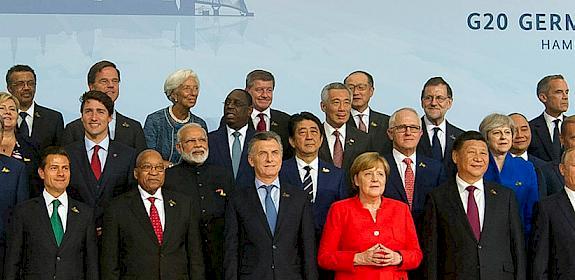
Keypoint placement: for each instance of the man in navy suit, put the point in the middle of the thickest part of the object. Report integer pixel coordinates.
(101, 168)
(412, 175)
(227, 143)
(105, 77)
(438, 133)
(269, 232)
(42, 125)
(553, 92)
(52, 236)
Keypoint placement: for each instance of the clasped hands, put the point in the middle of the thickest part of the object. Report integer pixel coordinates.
(378, 255)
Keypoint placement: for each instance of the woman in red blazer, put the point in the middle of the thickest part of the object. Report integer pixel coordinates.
(369, 236)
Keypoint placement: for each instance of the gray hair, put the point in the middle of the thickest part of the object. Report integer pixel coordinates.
(334, 85)
(495, 120)
(175, 79)
(393, 116)
(564, 155)
(263, 136)
(186, 126)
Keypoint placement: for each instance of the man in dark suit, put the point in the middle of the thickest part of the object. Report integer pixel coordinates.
(375, 124)
(207, 184)
(350, 142)
(552, 251)
(269, 226)
(228, 142)
(151, 233)
(261, 85)
(101, 169)
(549, 179)
(52, 236)
(105, 77)
(553, 92)
(438, 133)
(472, 228)
(412, 175)
(42, 125)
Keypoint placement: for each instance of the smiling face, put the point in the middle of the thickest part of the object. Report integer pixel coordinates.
(56, 174)
(371, 182)
(266, 159)
(500, 140)
(9, 114)
(95, 118)
(436, 102)
(193, 145)
(150, 172)
(522, 137)
(472, 160)
(187, 93)
(262, 93)
(337, 108)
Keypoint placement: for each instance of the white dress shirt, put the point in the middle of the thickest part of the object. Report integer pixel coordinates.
(267, 117)
(440, 134)
(479, 195)
(571, 196)
(112, 126)
(313, 172)
(550, 124)
(159, 203)
(231, 137)
(364, 118)
(275, 194)
(102, 153)
(523, 156)
(331, 138)
(402, 166)
(62, 209)
(29, 119)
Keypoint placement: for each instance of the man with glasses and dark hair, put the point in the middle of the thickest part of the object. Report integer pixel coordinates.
(228, 143)
(374, 123)
(412, 175)
(43, 125)
(105, 77)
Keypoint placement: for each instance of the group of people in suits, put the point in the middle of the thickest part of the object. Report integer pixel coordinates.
(272, 196)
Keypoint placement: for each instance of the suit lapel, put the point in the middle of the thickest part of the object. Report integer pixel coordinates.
(109, 167)
(449, 138)
(137, 207)
(459, 211)
(73, 219)
(286, 203)
(395, 178)
(424, 141)
(543, 134)
(223, 146)
(491, 209)
(171, 215)
(567, 209)
(37, 122)
(122, 127)
(87, 191)
(45, 220)
(324, 152)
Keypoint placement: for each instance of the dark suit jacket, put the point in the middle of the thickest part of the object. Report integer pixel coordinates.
(47, 127)
(549, 179)
(130, 248)
(331, 187)
(117, 177)
(552, 248)
(378, 124)
(356, 143)
(14, 186)
(450, 248)
(429, 174)
(541, 145)
(252, 252)
(279, 125)
(128, 131)
(424, 146)
(220, 155)
(32, 252)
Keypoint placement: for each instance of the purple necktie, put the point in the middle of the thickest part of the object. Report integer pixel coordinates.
(473, 212)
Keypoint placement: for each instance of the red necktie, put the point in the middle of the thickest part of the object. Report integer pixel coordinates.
(337, 150)
(95, 163)
(362, 124)
(155, 219)
(261, 123)
(473, 213)
(409, 181)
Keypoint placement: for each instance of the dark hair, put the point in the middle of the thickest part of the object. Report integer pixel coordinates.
(96, 68)
(19, 68)
(248, 97)
(261, 75)
(52, 150)
(98, 96)
(518, 114)
(299, 117)
(467, 136)
(543, 84)
(264, 136)
(435, 81)
(369, 77)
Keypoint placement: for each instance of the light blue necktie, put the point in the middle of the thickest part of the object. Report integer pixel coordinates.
(236, 152)
(271, 213)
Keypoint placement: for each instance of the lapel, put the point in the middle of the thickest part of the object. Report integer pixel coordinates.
(137, 207)
(424, 140)
(374, 121)
(37, 123)
(324, 152)
(244, 158)
(449, 138)
(543, 134)
(394, 180)
(254, 199)
(109, 167)
(567, 209)
(122, 127)
(72, 222)
(292, 171)
(323, 177)
(88, 190)
(45, 220)
(273, 121)
(350, 141)
(171, 212)
(492, 205)
(286, 203)
(421, 172)
(458, 210)
(222, 145)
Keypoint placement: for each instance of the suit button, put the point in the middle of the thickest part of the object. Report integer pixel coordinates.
(197, 172)
(203, 211)
(202, 197)
(273, 267)
(274, 247)
(200, 184)
(58, 258)
(206, 225)
(479, 247)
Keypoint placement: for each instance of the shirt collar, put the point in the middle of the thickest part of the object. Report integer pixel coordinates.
(330, 129)
(30, 110)
(523, 156)
(549, 119)
(259, 183)
(429, 126)
(266, 112)
(114, 115)
(399, 157)
(461, 185)
(570, 195)
(103, 144)
(301, 164)
(48, 198)
(242, 131)
(145, 195)
(365, 113)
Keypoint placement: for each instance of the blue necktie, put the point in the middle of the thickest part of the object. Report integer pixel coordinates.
(236, 153)
(436, 152)
(271, 213)
(24, 130)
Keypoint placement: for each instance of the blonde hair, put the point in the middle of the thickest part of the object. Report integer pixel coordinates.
(367, 161)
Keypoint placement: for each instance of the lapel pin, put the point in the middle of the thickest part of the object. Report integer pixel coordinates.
(518, 184)
(75, 210)
(36, 114)
(325, 170)
(171, 202)
(285, 194)
(493, 191)
(5, 170)
(274, 123)
(422, 165)
(374, 124)
(452, 137)
(221, 192)
(125, 124)
(115, 155)
(26, 159)
(350, 141)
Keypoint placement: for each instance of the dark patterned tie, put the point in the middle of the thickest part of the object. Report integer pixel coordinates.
(362, 126)
(409, 181)
(24, 130)
(556, 141)
(473, 213)
(262, 123)
(337, 150)
(155, 219)
(436, 151)
(308, 183)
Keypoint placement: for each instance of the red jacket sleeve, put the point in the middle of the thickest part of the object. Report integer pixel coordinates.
(329, 256)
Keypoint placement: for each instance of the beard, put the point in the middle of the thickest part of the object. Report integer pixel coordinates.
(195, 159)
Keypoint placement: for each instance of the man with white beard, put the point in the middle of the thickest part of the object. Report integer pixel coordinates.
(208, 186)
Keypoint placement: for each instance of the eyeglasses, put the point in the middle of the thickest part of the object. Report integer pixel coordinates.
(235, 103)
(439, 98)
(21, 84)
(148, 167)
(403, 128)
(360, 87)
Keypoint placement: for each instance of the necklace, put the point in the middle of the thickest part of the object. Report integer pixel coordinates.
(186, 120)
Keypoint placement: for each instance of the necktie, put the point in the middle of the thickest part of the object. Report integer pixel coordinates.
(361, 123)
(57, 222)
(473, 212)
(236, 152)
(409, 181)
(556, 141)
(155, 219)
(308, 183)
(261, 123)
(337, 150)
(24, 130)
(95, 163)
(271, 213)
(436, 152)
